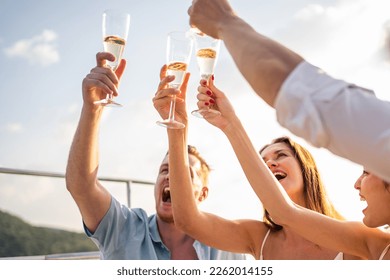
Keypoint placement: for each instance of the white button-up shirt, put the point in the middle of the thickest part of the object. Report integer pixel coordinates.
(346, 119)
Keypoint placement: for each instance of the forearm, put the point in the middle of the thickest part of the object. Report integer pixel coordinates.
(264, 63)
(183, 203)
(318, 228)
(268, 190)
(185, 209)
(83, 161)
(350, 237)
(217, 232)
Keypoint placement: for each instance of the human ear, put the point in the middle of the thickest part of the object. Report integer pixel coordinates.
(203, 193)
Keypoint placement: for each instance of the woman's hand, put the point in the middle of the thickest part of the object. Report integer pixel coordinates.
(163, 97)
(209, 96)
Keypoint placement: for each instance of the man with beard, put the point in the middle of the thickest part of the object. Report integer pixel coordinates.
(120, 232)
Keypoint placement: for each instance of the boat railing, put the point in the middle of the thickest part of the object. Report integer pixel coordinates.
(128, 183)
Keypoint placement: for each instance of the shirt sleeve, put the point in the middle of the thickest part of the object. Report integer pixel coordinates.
(107, 232)
(119, 223)
(346, 119)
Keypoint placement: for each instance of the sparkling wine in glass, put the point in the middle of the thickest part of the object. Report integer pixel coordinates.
(115, 31)
(179, 48)
(207, 50)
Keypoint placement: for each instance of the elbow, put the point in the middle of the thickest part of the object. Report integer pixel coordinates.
(79, 179)
(283, 216)
(71, 180)
(184, 222)
(68, 182)
(275, 218)
(71, 185)
(78, 185)
(70, 177)
(280, 220)
(181, 225)
(181, 222)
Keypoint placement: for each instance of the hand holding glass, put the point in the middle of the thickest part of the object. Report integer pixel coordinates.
(179, 48)
(115, 31)
(207, 50)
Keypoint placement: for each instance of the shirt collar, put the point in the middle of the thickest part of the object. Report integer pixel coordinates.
(154, 234)
(203, 251)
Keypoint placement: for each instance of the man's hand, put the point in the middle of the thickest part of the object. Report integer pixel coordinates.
(163, 97)
(209, 15)
(102, 80)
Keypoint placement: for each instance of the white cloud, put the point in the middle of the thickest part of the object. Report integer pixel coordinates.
(342, 38)
(14, 127)
(309, 12)
(40, 49)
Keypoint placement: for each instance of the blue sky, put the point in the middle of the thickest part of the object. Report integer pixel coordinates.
(47, 47)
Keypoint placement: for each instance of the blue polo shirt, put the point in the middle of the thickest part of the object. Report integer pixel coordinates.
(130, 234)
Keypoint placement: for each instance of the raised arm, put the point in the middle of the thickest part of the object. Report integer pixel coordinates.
(349, 237)
(267, 66)
(82, 168)
(240, 236)
(234, 236)
(264, 63)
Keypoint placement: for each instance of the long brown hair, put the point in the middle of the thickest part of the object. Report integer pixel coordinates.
(313, 188)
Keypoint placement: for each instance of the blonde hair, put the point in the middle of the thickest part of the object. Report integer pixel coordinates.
(204, 166)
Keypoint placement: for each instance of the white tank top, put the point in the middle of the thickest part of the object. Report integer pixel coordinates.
(384, 252)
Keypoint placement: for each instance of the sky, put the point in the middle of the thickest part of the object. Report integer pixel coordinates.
(47, 47)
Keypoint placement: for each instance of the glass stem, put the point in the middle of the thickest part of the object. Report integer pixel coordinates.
(172, 108)
(113, 68)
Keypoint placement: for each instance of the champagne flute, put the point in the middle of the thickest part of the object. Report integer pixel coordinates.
(179, 48)
(115, 31)
(207, 50)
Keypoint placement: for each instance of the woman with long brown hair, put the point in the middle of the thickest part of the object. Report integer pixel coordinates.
(269, 178)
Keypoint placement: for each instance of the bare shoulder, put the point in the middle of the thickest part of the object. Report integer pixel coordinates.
(374, 240)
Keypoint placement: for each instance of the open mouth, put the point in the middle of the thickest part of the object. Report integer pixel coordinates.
(364, 202)
(280, 175)
(166, 195)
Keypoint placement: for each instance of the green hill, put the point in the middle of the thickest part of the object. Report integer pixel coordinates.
(18, 238)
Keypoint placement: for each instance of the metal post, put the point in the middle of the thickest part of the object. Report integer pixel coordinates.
(128, 190)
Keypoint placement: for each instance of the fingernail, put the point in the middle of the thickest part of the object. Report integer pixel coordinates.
(208, 92)
(211, 101)
(212, 77)
(206, 103)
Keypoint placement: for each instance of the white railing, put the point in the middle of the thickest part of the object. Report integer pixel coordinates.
(128, 182)
(95, 255)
